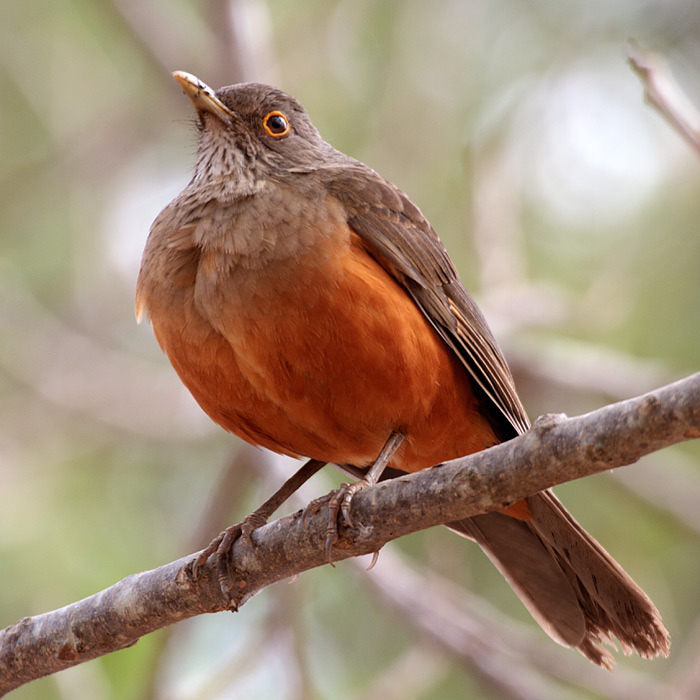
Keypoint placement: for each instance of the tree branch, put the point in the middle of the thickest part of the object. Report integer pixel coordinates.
(556, 450)
(664, 94)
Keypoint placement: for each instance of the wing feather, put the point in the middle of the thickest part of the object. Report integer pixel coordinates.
(402, 240)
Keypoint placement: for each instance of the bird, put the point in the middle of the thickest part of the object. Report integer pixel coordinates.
(310, 308)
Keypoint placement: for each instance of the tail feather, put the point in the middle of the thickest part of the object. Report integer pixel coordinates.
(573, 588)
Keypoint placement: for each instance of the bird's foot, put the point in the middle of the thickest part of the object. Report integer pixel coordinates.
(220, 548)
(339, 504)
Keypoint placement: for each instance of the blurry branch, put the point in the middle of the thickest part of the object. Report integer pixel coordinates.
(412, 675)
(514, 661)
(247, 465)
(664, 94)
(585, 368)
(233, 668)
(555, 450)
(428, 608)
(236, 36)
(496, 204)
(78, 373)
(165, 38)
(250, 41)
(670, 485)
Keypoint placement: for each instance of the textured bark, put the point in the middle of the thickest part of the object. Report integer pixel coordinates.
(555, 450)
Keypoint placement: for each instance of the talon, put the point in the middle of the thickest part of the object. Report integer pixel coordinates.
(313, 507)
(375, 557)
(223, 551)
(220, 547)
(222, 575)
(339, 502)
(246, 535)
(204, 556)
(334, 505)
(332, 527)
(346, 504)
(331, 539)
(249, 525)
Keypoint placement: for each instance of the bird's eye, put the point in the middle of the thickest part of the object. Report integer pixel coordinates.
(276, 124)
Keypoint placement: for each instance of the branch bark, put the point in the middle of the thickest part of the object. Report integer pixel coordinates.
(557, 449)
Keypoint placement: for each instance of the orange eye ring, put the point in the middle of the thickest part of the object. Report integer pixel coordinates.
(276, 124)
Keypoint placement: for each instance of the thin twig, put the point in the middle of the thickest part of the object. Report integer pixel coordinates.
(664, 94)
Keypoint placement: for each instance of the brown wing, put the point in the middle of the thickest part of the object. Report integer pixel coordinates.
(400, 238)
(572, 587)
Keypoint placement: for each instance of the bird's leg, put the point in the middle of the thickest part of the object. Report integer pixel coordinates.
(341, 500)
(259, 517)
(221, 545)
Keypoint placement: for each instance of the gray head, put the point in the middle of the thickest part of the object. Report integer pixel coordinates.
(252, 129)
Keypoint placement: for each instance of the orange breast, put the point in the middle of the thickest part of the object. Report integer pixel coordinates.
(326, 365)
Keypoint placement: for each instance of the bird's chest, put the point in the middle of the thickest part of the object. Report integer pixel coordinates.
(318, 352)
(273, 260)
(257, 309)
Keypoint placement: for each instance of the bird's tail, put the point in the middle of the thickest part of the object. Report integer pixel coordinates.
(573, 588)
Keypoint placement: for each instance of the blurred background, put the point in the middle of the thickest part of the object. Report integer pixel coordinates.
(570, 208)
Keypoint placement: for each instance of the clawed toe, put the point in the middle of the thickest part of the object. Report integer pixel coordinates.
(220, 548)
(339, 503)
(341, 500)
(249, 525)
(314, 507)
(205, 554)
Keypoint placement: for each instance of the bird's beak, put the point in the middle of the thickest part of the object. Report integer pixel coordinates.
(202, 96)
